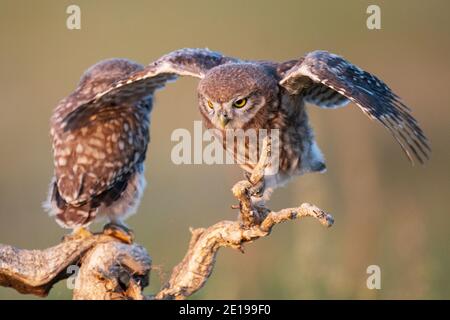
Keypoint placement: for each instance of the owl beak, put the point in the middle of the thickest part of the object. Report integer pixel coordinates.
(223, 119)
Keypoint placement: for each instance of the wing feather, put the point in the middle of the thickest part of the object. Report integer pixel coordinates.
(141, 84)
(321, 69)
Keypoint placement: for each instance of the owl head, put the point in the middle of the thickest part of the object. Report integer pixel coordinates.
(237, 96)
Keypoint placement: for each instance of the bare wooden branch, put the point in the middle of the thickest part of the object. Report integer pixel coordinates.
(35, 271)
(108, 268)
(111, 269)
(196, 267)
(249, 214)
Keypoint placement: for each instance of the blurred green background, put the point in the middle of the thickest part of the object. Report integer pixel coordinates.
(387, 213)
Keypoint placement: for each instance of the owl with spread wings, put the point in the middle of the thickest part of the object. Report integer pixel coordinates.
(242, 94)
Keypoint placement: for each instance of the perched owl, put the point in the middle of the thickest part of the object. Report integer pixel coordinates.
(98, 158)
(241, 94)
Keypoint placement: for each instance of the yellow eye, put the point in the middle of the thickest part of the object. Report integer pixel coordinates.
(240, 103)
(210, 104)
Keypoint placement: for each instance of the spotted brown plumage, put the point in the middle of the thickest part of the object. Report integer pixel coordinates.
(275, 96)
(185, 62)
(330, 81)
(99, 159)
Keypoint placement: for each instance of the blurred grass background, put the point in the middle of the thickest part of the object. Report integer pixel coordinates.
(387, 212)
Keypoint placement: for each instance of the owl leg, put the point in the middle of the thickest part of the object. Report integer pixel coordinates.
(258, 192)
(119, 230)
(123, 207)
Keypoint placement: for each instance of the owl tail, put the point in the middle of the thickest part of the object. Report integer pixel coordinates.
(80, 214)
(67, 215)
(74, 217)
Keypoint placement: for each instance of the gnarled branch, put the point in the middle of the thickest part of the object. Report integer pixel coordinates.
(104, 268)
(196, 267)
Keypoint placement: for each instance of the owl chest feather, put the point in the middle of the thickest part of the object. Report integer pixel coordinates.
(286, 121)
(295, 134)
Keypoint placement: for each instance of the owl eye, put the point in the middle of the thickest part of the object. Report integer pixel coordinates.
(210, 105)
(240, 103)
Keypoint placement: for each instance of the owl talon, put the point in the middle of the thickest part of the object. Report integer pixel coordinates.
(119, 232)
(257, 190)
(78, 234)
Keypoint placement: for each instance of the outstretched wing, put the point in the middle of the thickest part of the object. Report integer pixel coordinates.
(183, 62)
(330, 81)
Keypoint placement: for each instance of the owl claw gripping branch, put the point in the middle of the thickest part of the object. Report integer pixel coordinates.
(100, 132)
